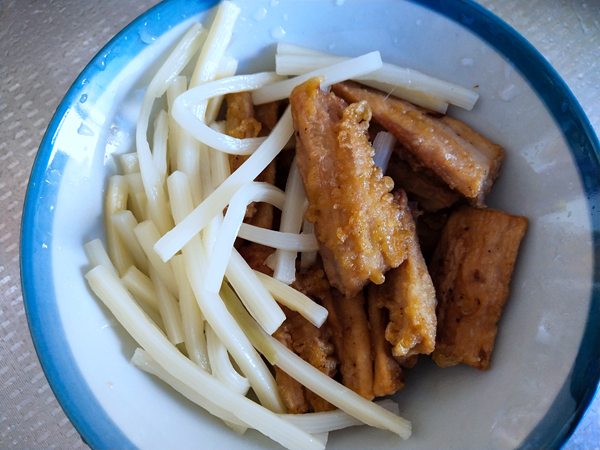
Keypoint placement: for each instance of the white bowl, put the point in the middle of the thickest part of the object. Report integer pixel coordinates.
(545, 365)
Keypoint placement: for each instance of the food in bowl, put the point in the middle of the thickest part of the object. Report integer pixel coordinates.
(185, 309)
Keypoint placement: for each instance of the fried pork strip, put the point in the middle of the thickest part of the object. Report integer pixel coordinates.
(240, 123)
(387, 374)
(471, 269)
(409, 296)
(423, 186)
(357, 222)
(351, 339)
(466, 161)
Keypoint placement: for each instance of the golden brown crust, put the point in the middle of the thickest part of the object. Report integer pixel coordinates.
(349, 326)
(357, 221)
(422, 186)
(466, 161)
(409, 296)
(387, 374)
(241, 124)
(471, 268)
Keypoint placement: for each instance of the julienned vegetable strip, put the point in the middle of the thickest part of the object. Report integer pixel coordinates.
(294, 300)
(175, 239)
(333, 74)
(295, 60)
(142, 360)
(315, 380)
(292, 216)
(250, 192)
(192, 318)
(278, 239)
(212, 306)
(114, 295)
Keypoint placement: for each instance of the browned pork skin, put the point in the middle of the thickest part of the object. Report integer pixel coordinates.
(471, 269)
(357, 221)
(422, 186)
(409, 295)
(240, 123)
(466, 161)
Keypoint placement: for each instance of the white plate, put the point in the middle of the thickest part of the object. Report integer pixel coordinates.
(545, 364)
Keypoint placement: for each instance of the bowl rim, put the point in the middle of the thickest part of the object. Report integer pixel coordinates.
(72, 392)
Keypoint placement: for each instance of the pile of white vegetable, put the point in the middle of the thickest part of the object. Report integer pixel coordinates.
(171, 275)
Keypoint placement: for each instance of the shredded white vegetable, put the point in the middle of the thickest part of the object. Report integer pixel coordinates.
(297, 60)
(383, 145)
(334, 73)
(109, 289)
(173, 275)
(192, 224)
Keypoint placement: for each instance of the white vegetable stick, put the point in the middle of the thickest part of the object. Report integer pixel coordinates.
(227, 68)
(109, 289)
(185, 49)
(157, 207)
(175, 239)
(293, 299)
(159, 143)
(333, 420)
(383, 145)
(250, 192)
(256, 298)
(148, 235)
(308, 257)
(278, 239)
(137, 196)
(142, 360)
(141, 287)
(211, 305)
(169, 309)
(97, 256)
(216, 43)
(408, 84)
(129, 163)
(124, 223)
(315, 380)
(183, 114)
(114, 201)
(176, 88)
(333, 74)
(418, 97)
(221, 364)
(191, 317)
(291, 221)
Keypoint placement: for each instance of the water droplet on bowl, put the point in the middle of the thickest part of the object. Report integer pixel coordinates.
(277, 32)
(259, 14)
(274, 2)
(509, 92)
(146, 37)
(467, 62)
(83, 98)
(84, 130)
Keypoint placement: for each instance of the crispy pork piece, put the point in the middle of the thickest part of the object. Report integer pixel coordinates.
(466, 161)
(357, 222)
(268, 115)
(387, 374)
(471, 269)
(256, 255)
(409, 296)
(312, 345)
(240, 123)
(422, 186)
(292, 393)
(350, 336)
